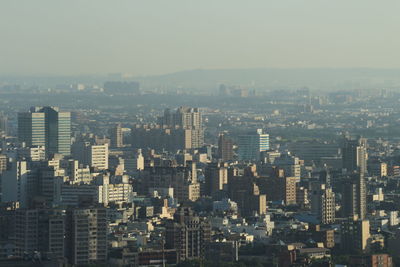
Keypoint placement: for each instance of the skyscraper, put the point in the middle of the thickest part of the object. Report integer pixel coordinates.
(116, 136)
(354, 196)
(354, 154)
(250, 145)
(225, 148)
(46, 126)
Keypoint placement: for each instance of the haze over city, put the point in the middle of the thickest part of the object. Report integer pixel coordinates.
(158, 37)
(206, 133)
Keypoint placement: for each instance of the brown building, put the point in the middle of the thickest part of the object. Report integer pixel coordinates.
(216, 178)
(116, 136)
(225, 148)
(279, 189)
(355, 235)
(86, 236)
(374, 260)
(246, 193)
(182, 179)
(188, 234)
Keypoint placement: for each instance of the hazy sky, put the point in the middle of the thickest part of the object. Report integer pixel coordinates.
(162, 36)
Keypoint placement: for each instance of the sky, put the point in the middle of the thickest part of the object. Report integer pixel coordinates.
(150, 37)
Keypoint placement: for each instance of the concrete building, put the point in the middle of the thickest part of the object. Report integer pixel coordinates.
(216, 178)
(48, 127)
(32, 153)
(116, 136)
(251, 145)
(290, 165)
(14, 183)
(182, 179)
(323, 203)
(95, 156)
(134, 164)
(225, 148)
(354, 196)
(188, 234)
(354, 154)
(40, 230)
(355, 235)
(86, 236)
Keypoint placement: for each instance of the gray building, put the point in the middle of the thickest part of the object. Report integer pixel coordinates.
(48, 127)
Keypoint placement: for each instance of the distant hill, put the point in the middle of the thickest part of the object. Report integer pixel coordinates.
(315, 79)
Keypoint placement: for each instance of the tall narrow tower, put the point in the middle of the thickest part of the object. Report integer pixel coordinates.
(116, 136)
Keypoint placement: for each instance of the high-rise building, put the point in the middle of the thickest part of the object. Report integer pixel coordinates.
(3, 124)
(246, 193)
(188, 234)
(95, 156)
(116, 136)
(182, 179)
(98, 156)
(3, 163)
(251, 145)
(225, 148)
(15, 183)
(40, 230)
(355, 235)
(354, 196)
(354, 154)
(280, 188)
(48, 127)
(323, 203)
(86, 236)
(216, 178)
(190, 121)
(290, 165)
(134, 164)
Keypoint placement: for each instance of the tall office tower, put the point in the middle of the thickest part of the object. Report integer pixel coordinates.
(354, 154)
(354, 196)
(188, 234)
(355, 235)
(86, 235)
(225, 148)
(46, 126)
(323, 203)
(116, 136)
(251, 145)
(216, 178)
